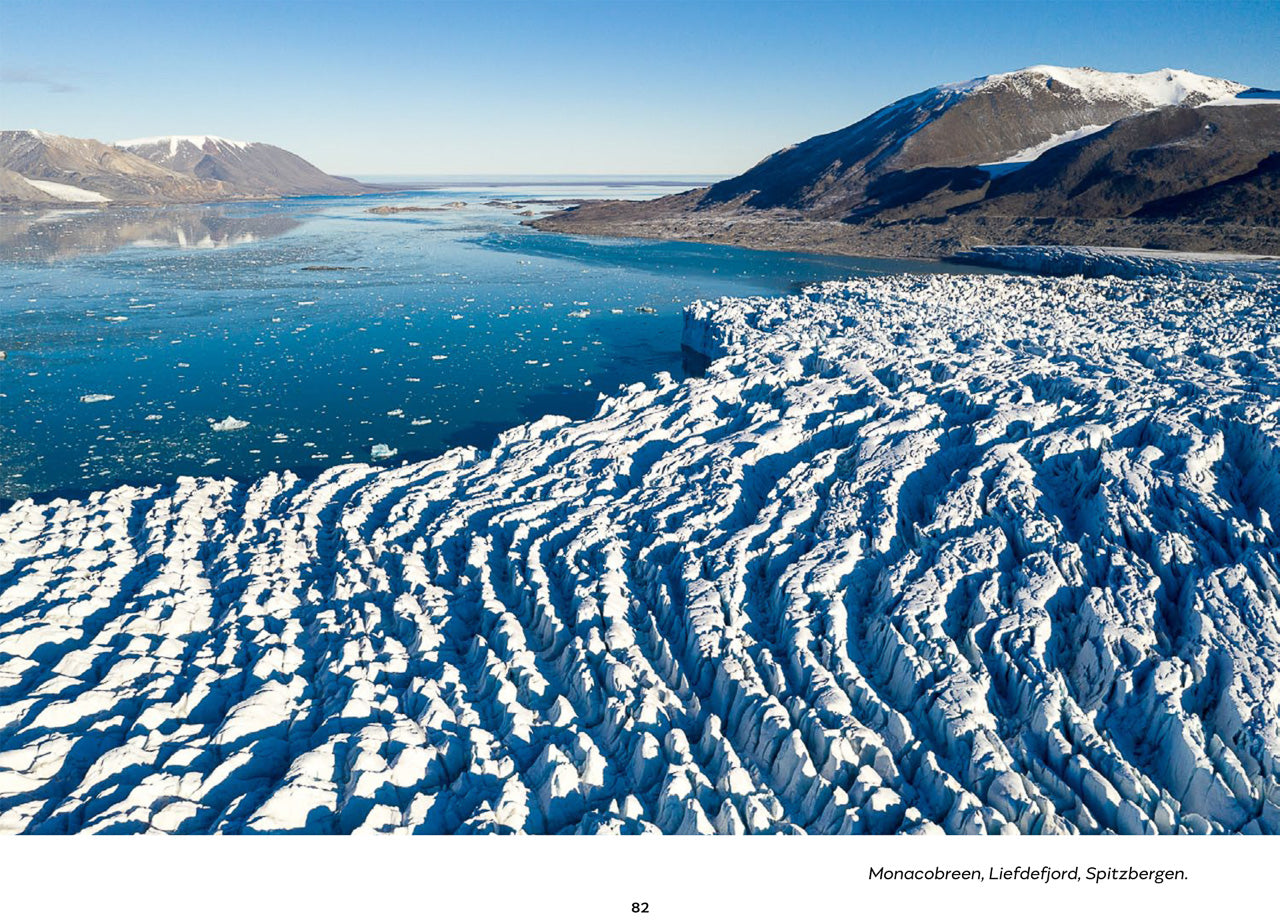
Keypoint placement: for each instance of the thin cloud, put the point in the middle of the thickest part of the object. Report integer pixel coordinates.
(36, 77)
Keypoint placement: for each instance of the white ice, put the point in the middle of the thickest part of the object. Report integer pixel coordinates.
(969, 554)
(230, 423)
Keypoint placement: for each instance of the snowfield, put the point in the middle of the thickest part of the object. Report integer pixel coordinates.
(921, 553)
(67, 192)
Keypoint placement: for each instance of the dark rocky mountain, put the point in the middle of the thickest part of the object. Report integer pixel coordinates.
(38, 169)
(995, 160)
(915, 143)
(1168, 163)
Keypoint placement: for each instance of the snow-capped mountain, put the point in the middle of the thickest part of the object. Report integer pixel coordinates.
(45, 168)
(180, 152)
(991, 119)
(39, 168)
(1000, 159)
(246, 166)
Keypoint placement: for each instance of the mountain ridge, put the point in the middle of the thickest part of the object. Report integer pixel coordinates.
(40, 169)
(936, 163)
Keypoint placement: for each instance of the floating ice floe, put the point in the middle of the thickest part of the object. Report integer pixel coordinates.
(918, 554)
(97, 397)
(382, 452)
(230, 423)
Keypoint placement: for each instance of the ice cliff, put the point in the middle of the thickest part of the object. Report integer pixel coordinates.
(921, 553)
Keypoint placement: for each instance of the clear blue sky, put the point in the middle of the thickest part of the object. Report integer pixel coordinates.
(379, 86)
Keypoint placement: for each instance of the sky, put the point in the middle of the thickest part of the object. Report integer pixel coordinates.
(384, 87)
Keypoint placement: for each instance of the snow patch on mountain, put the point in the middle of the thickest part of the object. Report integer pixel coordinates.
(920, 553)
(1023, 157)
(67, 192)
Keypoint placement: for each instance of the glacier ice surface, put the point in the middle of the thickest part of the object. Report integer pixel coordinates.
(920, 554)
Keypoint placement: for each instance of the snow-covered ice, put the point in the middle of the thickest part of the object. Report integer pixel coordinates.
(920, 553)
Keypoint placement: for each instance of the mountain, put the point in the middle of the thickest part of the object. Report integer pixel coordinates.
(42, 169)
(76, 170)
(15, 187)
(1169, 163)
(250, 168)
(991, 160)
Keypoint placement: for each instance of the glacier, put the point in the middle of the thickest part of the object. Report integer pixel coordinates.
(919, 554)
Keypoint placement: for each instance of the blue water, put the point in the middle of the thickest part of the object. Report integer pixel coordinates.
(425, 330)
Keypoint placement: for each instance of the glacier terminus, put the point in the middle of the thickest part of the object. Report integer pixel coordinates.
(920, 554)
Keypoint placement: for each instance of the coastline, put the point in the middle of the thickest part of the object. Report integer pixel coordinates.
(925, 239)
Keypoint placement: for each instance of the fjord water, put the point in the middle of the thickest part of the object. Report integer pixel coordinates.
(328, 330)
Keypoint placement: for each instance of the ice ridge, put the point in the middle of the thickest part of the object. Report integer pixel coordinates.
(920, 554)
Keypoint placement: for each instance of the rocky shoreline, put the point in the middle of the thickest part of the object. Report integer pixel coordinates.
(932, 238)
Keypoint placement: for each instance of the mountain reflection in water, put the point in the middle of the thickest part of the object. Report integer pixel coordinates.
(53, 235)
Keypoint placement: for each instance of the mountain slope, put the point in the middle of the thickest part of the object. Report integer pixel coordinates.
(958, 125)
(1046, 154)
(38, 169)
(245, 167)
(14, 187)
(1161, 162)
(92, 166)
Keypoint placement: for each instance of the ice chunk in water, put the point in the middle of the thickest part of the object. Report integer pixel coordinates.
(230, 423)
